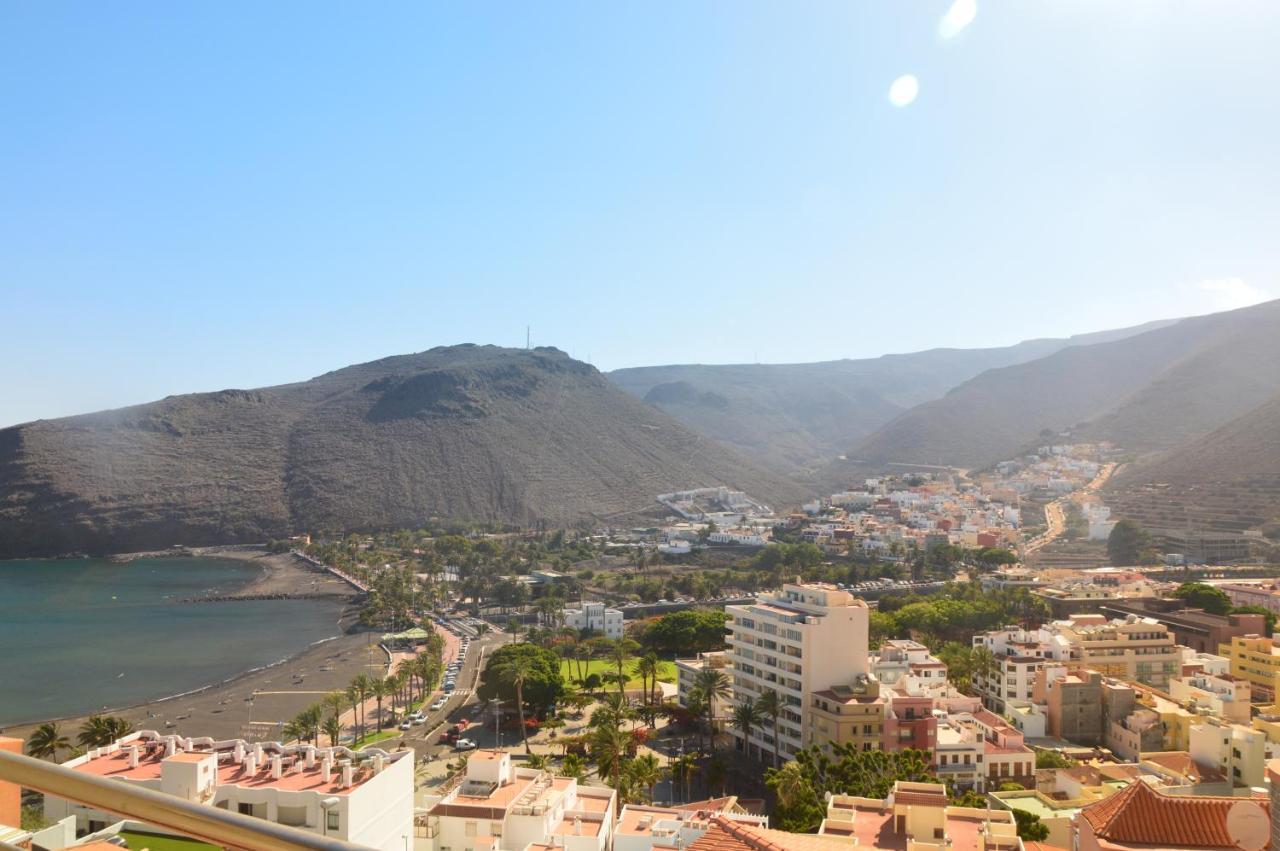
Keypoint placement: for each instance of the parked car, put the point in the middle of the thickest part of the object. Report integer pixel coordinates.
(464, 745)
(438, 704)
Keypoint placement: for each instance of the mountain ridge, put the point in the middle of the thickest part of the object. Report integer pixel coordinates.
(466, 432)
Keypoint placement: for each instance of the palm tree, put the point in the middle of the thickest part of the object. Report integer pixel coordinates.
(334, 702)
(647, 668)
(294, 730)
(984, 667)
(619, 652)
(118, 728)
(46, 741)
(746, 717)
(609, 746)
(770, 706)
(516, 673)
(791, 784)
(333, 729)
(379, 688)
(309, 720)
(713, 684)
(95, 732)
(643, 772)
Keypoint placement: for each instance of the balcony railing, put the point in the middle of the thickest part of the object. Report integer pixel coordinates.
(126, 800)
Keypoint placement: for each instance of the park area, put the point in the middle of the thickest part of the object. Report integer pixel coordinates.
(571, 669)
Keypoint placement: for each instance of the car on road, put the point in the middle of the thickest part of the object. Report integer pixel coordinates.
(464, 745)
(439, 703)
(449, 685)
(406, 724)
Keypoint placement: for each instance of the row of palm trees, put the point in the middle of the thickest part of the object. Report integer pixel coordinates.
(49, 740)
(412, 681)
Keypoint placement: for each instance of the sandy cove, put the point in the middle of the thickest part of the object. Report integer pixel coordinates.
(256, 704)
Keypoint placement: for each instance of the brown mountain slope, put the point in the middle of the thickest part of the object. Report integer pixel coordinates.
(795, 415)
(1148, 392)
(465, 432)
(1227, 480)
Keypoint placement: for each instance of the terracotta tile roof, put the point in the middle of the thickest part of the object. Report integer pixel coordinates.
(713, 805)
(1139, 815)
(1181, 762)
(728, 835)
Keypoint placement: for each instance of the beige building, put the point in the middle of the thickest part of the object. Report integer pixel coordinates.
(1132, 648)
(853, 714)
(806, 638)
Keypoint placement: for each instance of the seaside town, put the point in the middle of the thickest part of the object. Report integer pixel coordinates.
(562, 426)
(903, 664)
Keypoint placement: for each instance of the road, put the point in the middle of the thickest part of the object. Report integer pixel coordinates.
(1055, 514)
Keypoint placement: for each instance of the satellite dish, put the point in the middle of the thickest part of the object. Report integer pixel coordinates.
(1248, 826)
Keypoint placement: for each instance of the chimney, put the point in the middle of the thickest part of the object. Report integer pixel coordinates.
(257, 752)
(326, 770)
(277, 767)
(379, 762)
(251, 764)
(309, 758)
(348, 775)
(237, 752)
(170, 746)
(188, 745)
(577, 825)
(133, 756)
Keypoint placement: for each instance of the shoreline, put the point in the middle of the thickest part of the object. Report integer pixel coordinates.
(255, 702)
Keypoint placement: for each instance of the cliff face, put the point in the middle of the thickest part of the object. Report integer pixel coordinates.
(465, 432)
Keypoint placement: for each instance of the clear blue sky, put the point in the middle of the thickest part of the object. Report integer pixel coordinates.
(204, 195)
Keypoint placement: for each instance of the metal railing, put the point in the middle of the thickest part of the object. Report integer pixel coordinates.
(128, 800)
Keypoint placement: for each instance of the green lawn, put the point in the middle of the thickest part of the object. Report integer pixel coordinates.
(157, 842)
(374, 737)
(569, 670)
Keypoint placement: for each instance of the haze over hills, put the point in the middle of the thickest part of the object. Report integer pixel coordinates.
(1147, 392)
(796, 415)
(466, 432)
(1227, 480)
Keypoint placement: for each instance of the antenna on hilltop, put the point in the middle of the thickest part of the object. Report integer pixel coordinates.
(527, 338)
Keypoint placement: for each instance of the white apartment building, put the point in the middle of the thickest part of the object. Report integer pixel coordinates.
(687, 671)
(1019, 654)
(910, 667)
(595, 617)
(738, 538)
(499, 807)
(364, 797)
(805, 638)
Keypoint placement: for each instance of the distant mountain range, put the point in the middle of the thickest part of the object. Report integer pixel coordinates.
(521, 436)
(1147, 392)
(794, 416)
(467, 432)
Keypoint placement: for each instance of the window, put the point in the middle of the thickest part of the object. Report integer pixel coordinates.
(331, 822)
(469, 829)
(244, 809)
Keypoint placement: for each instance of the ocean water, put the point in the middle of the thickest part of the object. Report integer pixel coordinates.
(78, 635)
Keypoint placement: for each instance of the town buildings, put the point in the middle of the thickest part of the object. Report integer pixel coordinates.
(918, 817)
(364, 797)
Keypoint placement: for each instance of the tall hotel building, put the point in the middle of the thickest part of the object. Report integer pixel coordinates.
(804, 639)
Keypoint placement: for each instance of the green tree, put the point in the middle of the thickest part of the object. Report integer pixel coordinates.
(542, 687)
(1201, 596)
(515, 672)
(1128, 543)
(689, 631)
(770, 706)
(802, 784)
(333, 729)
(1053, 759)
(47, 741)
(1030, 828)
(746, 717)
(1269, 615)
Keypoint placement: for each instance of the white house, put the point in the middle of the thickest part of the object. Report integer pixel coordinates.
(596, 617)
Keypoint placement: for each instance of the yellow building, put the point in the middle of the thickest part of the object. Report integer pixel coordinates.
(847, 715)
(1254, 658)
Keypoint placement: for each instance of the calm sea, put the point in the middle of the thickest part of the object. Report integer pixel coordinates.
(78, 635)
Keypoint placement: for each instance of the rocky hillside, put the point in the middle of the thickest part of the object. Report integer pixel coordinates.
(464, 432)
(796, 415)
(1148, 392)
(1227, 480)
